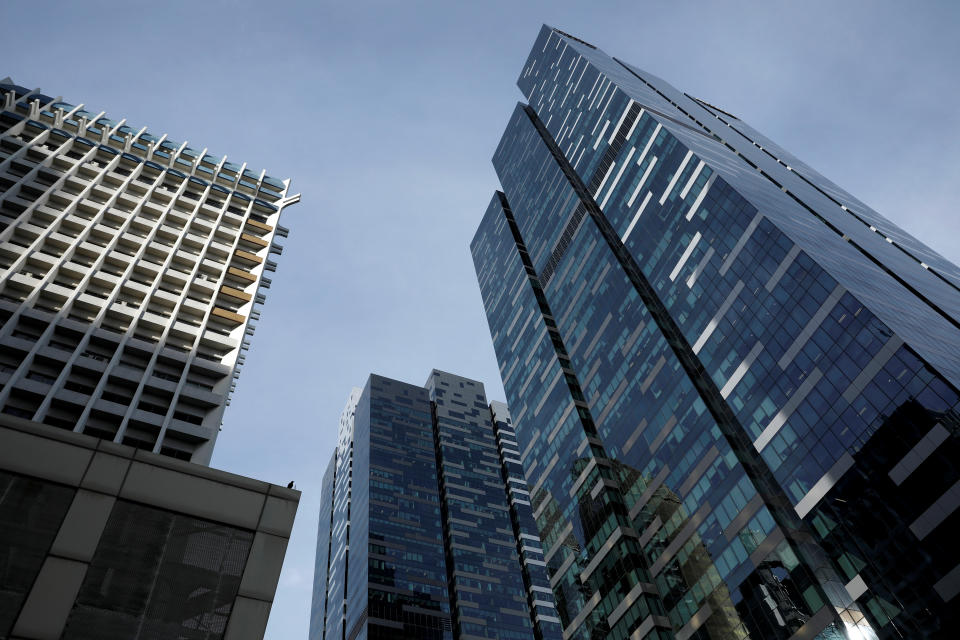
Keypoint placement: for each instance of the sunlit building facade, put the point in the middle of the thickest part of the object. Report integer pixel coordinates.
(733, 384)
(425, 525)
(131, 266)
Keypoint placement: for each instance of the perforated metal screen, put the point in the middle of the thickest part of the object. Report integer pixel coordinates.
(30, 512)
(157, 575)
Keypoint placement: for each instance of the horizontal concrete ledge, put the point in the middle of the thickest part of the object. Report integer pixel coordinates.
(57, 455)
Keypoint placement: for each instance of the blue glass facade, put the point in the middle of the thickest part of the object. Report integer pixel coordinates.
(318, 610)
(707, 347)
(529, 547)
(417, 535)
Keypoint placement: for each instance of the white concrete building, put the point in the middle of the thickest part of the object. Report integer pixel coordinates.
(130, 267)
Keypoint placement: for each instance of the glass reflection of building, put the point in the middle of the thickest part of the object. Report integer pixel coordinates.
(730, 379)
(426, 529)
(884, 528)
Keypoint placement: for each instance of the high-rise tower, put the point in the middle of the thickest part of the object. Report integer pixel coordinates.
(425, 526)
(131, 267)
(734, 385)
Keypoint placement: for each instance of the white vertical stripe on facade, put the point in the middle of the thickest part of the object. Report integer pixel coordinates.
(949, 585)
(577, 163)
(782, 268)
(563, 124)
(918, 453)
(712, 325)
(741, 370)
(600, 137)
(636, 121)
(601, 94)
(940, 510)
(693, 178)
(701, 196)
(613, 185)
(737, 248)
(636, 217)
(610, 98)
(700, 267)
(577, 86)
(676, 176)
(573, 127)
(812, 325)
(777, 422)
(613, 166)
(873, 368)
(685, 256)
(643, 181)
(650, 141)
(856, 587)
(566, 95)
(824, 484)
(595, 81)
(623, 116)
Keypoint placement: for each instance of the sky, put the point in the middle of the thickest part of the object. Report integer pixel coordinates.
(385, 115)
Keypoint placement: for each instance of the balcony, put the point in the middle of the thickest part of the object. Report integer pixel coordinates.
(216, 341)
(202, 396)
(125, 310)
(258, 227)
(89, 206)
(252, 243)
(229, 316)
(246, 258)
(189, 432)
(58, 292)
(31, 230)
(153, 322)
(235, 294)
(23, 281)
(184, 331)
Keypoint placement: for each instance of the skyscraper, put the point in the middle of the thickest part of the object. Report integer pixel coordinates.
(425, 527)
(734, 385)
(131, 265)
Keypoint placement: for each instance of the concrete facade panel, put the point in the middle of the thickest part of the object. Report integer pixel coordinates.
(45, 612)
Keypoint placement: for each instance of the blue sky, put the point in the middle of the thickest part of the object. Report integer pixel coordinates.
(385, 116)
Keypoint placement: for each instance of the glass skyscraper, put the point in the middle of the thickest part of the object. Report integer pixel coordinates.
(734, 385)
(426, 529)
